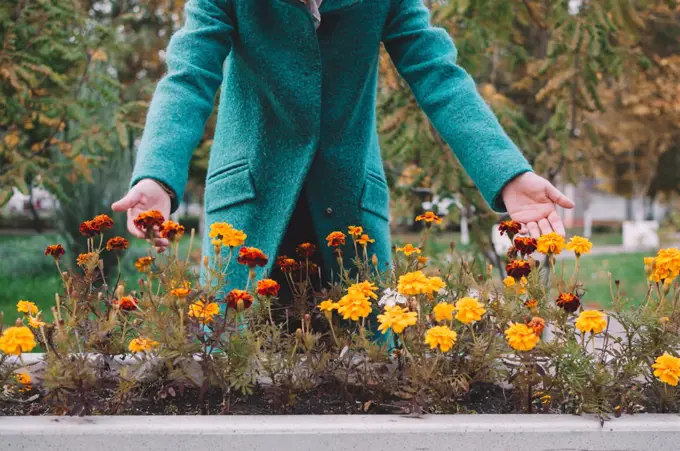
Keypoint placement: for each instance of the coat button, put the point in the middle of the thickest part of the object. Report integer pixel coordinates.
(329, 211)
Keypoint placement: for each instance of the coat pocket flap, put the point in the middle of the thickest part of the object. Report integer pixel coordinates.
(376, 198)
(229, 189)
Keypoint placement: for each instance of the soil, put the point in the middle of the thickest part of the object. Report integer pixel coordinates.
(482, 398)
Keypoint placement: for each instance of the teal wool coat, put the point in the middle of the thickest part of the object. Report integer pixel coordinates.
(297, 110)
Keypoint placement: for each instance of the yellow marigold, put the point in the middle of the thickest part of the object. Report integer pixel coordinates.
(667, 369)
(364, 240)
(182, 291)
(354, 306)
(23, 378)
(429, 217)
(434, 284)
(27, 307)
(521, 337)
(143, 264)
(649, 265)
(366, 288)
(355, 231)
(409, 249)
(327, 306)
(17, 339)
(204, 312)
(141, 344)
(469, 310)
(666, 264)
(443, 311)
(413, 283)
(593, 321)
(396, 318)
(441, 337)
(226, 235)
(550, 243)
(35, 322)
(509, 282)
(579, 245)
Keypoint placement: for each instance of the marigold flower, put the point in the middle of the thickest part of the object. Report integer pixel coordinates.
(537, 324)
(143, 264)
(88, 260)
(409, 249)
(512, 228)
(592, 321)
(204, 312)
(251, 257)
(518, 268)
(88, 229)
(434, 285)
(268, 287)
(365, 288)
(509, 282)
(413, 283)
(525, 245)
(35, 322)
(239, 300)
(441, 337)
(102, 222)
(649, 265)
(27, 307)
(335, 239)
(422, 260)
(469, 310)
(354, 305)
(328, 306)
(226, 235)
(23, 378)
(55, 251)
(181, 291)
(127, 303)
(579, 245)
(364, 240)
(666, 264)
(286, 264)
(396, 318)
(117, 243)
(550, 244)
(667, 369)
(429, 217)
(443, 311)
(531, 304)
(568, 302)
(16, 340)
(172, 230)
(142, 344)
(306, 250)
(521, 337)
(147, 220)
(355, 231)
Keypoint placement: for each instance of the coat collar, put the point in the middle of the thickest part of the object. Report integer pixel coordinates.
(327, 6)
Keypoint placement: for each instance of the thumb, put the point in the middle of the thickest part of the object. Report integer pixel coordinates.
(560, 199)
(132, 198)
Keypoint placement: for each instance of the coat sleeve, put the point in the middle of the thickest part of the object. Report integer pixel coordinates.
(185, 96)
(426, 57)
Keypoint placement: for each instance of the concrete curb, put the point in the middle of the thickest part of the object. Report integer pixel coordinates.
(341, 432)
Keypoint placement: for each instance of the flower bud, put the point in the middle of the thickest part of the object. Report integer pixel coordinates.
(298, 333)
(120, 291)
(374, 260)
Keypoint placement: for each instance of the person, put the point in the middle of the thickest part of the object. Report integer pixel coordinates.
(295, 152)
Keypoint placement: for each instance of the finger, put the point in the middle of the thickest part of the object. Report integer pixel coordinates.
(560, 199)
(533, 230)
(132, 228)
(160, 242)
(131, 199)
(523, 230)
(556, 223)
(159, 249)
(544, 225)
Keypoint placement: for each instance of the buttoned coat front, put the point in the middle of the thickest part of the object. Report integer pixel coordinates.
(297, 109)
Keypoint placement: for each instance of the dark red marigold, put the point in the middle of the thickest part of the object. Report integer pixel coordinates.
(568, 302)
(171, 230)
(102, 222)
(268, 287)
(525, 245)
(286, 264)
(147, 220)
(251, 257)
(127, 303)
(306, 250)
(518, 269)
(117, 243)
(88, 229)
(55, 251)
(512, 228)
(239, 300)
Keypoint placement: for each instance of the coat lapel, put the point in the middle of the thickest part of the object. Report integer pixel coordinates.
(328, 6)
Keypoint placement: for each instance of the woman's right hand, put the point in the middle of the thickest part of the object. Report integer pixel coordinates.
(146, 195)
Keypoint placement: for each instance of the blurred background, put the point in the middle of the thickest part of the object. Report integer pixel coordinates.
(589, 90)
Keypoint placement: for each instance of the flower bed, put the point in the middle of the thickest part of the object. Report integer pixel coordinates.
(416, 339)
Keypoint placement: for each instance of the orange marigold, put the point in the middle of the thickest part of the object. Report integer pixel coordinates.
(102, 222)
(204, 312)
(306, 250)
(143, 264)
(239, 300)
(55, 251)
(268, 287)
(127, 303)
(88, 260)
(286, 264)
(117, 243)
(336, 239)
(518, 269)
(409, 249)
(171, 230)
(147, 220)
(429, 217)
(537, 324)
(355, 231)
(568, 302)
(512, 228)
(251, 257)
